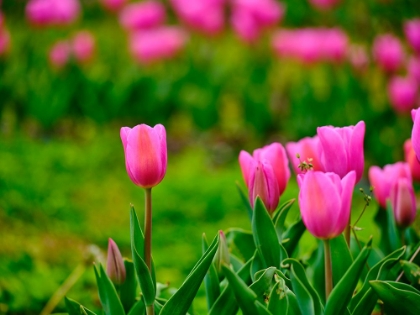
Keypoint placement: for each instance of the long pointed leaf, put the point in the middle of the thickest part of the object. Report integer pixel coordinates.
(263, 283)
(107, 294)
(292, 235)
(245, 200)
(128, 290)
(340, 256)
(211, 280)
(138, 308)
(241, 241)
(279, 218)
(144, 277)
(75, 308)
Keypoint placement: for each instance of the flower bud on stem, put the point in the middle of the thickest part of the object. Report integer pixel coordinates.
(328, 268)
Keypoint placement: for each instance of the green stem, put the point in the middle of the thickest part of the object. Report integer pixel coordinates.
(150, 310)
(328, 269)
(347, 233)
(148, 228)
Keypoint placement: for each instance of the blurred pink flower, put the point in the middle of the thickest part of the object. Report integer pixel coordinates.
(1, 20)
(142, 15)
(388, 52)
(206, 16)
(250, 17)
(402, 94)
(311, 45)
(324, 4)
(113, 5)
(411, 158)
(60, 53)
(382, 180)
(415, 133)
(156, 44)
(83, 46)
(52, 12)
(307, 148)
(413, 68)
(358, 57)
(4, 41)
(412, 33)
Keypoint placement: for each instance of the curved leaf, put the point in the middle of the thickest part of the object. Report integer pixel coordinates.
(292, 235)
(145, 279)
(263, 283)
(245, 200)
(340, 256)
(75, 308)
(242, 241)
(107, 294)
(411, 271)
(128, 290)
(211, 280)
(279, 218)
(138, 309)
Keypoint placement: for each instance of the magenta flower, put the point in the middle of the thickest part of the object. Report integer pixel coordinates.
(415, 133)
(341, 149)
(145, 154)
(382, 180)
(142, 15)
(113, 5)
(83, 46)
(411, 159)
(412, 33)
(403, 202)
(153, 45)
(308, 149)
(325, 202)
(60, 53)
(388, 52)
(402, 94)
(52, 12)
(115, 268)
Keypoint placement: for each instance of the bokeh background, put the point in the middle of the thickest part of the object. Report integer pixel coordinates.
(221, 75)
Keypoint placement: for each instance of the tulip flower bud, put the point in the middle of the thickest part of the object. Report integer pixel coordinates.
(308, 150)
(145, 154)
(402, 93)
(388, 52)
(222, 255)
(325, 202)
(415, 133)
(382, 180)
(115, 267)
(403, 202)
(342, 149)
(411, 159)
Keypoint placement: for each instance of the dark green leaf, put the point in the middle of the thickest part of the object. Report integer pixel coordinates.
(74, 308)
(316, 270)
(138, 309)
(180, 302)
(340, 256)
(245, 200)
(279, 218)
(128, 290)
(278, 302)
(211, 280)
(263, 283)
(341, 294)
(110, 301)
(242, 241)
(292, 236)
(145, 279)
(393, 232)
(411, 272)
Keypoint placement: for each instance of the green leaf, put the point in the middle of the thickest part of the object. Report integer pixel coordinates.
(398, 298)
(138, 309)
(265, 236)
(279, 218)
(245, 200)
(316, 270)
(179, 303)
(341, 294)
(144, 277)
(75, 308)
(381, 220)
(278, 301)
(242, 241)
(211, 280)
(263, 283)
(128, 289)
(107, 294)
(393, 233)
(226, 303)
(292, 236)
(340, 256)
(411, 271)
(365, 296)
(308, 298)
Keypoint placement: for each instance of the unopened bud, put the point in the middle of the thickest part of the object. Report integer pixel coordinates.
(115, 267)
(222, 255)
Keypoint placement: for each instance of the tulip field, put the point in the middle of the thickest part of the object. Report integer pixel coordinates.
(215, 157)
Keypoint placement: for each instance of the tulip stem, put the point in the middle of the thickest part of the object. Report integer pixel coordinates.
(347, 233)
(328, 269)
(148, 228)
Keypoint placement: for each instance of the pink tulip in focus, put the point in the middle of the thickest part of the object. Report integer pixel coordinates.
(411, 159)
(325, 202)
(403, 202)
(4, 41)
(115, 268)
(402, 94)
(83, 46)
(413, 69)
(145, 154)
(412, 33)
(162, 43)
(250, 17)
(324, 4)
(142, 15)
(382, 180)
(113, 5)
(307, 148)
(415, 133)
(388, 52)
(206, 16)
(60, 53)
(341, 149)
(52, 12)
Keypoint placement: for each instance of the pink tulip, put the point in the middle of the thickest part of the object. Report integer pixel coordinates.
(115, 268)
(307, 148)
(250, 17)
(206, 16)
(358, 57)
(411, 159)
(157, 44)
(415, 133)
(52, 12)
(83, 46)
(142, 15)
(145, 154)
(325, 202)
(413, 69)
(388, 52)
(341, 149)
(4, 41)
(113, 5)
(60, 53)
(412, 33)
(324, 4)
(382, 180)
(403, 202)
(402, 94)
